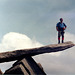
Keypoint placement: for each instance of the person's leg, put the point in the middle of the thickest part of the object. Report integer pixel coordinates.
(58, 37)
(62, 37)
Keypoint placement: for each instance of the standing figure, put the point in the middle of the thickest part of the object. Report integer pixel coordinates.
(60, 28)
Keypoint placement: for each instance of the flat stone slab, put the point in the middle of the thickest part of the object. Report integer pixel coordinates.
(19, 54)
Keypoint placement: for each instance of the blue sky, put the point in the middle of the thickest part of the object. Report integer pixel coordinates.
(36, 19)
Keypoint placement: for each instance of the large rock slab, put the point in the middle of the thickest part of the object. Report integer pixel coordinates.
(19, 54)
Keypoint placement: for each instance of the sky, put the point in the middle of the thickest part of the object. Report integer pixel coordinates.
(32, 23)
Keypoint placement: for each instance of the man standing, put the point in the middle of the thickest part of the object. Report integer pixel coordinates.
(60, 28)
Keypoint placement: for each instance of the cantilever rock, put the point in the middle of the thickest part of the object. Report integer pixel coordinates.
(19, 54)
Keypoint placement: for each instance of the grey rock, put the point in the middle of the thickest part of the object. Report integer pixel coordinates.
(19, 54)
(26, 66)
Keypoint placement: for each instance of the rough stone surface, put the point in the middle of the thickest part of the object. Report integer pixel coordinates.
(40, 66)
(18, 69)
(19, 54)
(26, 66)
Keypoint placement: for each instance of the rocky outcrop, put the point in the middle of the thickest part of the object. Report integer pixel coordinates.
(19, 54)
(25, 63)
(26, 66)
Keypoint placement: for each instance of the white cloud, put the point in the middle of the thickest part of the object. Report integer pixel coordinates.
(12, 41)
(69, 37)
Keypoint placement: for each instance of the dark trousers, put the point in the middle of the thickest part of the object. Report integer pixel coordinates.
(60, 33)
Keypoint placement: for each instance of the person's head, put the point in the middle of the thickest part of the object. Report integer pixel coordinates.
(61, 20)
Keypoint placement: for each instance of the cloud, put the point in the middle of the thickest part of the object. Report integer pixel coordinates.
(12, 41)
(69, 37)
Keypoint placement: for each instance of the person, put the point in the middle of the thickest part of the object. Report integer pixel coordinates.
(60, 27)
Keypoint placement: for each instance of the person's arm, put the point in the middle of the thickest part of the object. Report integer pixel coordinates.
(56, 28)
(65, 26)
